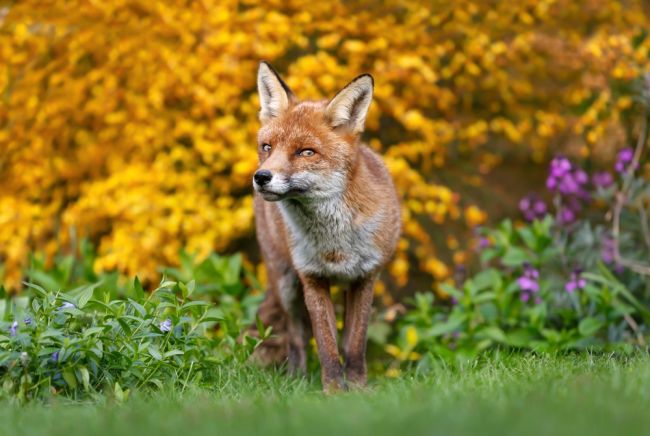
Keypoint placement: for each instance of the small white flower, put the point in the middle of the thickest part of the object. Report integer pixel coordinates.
(13, 329)
(166, 325)
(24, 358)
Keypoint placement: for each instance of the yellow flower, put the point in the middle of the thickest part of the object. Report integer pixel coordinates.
(144, 142)
(393, 372)
(411, 336)
(474, 216)
(393, 350)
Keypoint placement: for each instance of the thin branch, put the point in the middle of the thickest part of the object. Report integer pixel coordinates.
(643, 217)
(621, 197)
(635, 328)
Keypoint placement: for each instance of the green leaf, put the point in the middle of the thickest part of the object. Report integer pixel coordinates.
(445, 327)
(251, 341)
(45, 279)
(39, 290)
(85, 296)
(51, 333)
(528, 237)
(519, 338)
(589, 326)
(92, 331)
(191, 286)
(155, 352)
(489, 311)
(120, 395)
(609, 279)
(551, 335)
(138, 307)
(125, 325)
(487, 279)
(138, 290)
(488, 254)
(191, 304)
(515, 256)
(260, 325)
(492, 332)
(70, 378)
(484, 297)
(174, 353)
(101, 305)
(183, 289)
(85, 377)
(167, 284)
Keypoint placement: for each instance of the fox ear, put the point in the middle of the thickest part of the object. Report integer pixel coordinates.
(350, 106)
(274, 94)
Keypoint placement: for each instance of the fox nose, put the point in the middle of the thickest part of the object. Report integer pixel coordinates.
(262, 177)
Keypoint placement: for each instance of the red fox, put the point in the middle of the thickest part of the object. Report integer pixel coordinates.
(326, 211)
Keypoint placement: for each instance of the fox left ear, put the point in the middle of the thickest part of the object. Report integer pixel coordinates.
(275, 95)
(350, 106)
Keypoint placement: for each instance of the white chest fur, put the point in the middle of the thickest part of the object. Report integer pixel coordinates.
(327, 239)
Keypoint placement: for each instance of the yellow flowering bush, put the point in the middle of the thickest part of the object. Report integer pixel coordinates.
(132, 122)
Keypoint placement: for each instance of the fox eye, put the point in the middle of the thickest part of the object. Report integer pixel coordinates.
(266, 147)
(306, 152)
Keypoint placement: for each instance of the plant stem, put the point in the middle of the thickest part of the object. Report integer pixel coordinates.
(621, 197)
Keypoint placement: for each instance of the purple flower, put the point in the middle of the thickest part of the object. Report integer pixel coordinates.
(13, 330)
(575, 282)
(483, 243)
(532, 207)
(55, 356)
(563, 177)
(560, 166)
(66, 305)
(602, 179)
(581, 177)
(27, 320)
(607, 249)
(567, 216)
(623, 159)
(528, 282)
(166, 325)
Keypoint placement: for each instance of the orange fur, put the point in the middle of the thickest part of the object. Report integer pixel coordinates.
(326, 211)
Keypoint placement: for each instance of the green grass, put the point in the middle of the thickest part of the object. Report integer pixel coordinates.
(518, 395)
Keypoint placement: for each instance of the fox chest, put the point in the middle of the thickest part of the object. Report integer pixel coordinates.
(331, 242)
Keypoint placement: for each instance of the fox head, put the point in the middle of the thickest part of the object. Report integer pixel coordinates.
(307, 149)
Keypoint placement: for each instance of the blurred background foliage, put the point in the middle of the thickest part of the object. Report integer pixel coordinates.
(131, 123)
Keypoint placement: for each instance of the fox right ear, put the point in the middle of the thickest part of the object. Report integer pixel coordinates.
(350, 106)
(274, 94)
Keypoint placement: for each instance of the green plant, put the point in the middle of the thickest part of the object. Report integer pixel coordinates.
(573, 279)
(224, 280)
(83, 342)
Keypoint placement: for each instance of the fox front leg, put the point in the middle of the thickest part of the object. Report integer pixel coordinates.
(358, 305)
(323, 321)
(298, 330)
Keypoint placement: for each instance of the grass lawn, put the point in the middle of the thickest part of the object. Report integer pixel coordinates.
(518, 395)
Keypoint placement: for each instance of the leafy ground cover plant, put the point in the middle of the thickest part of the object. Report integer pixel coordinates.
(85, 342)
